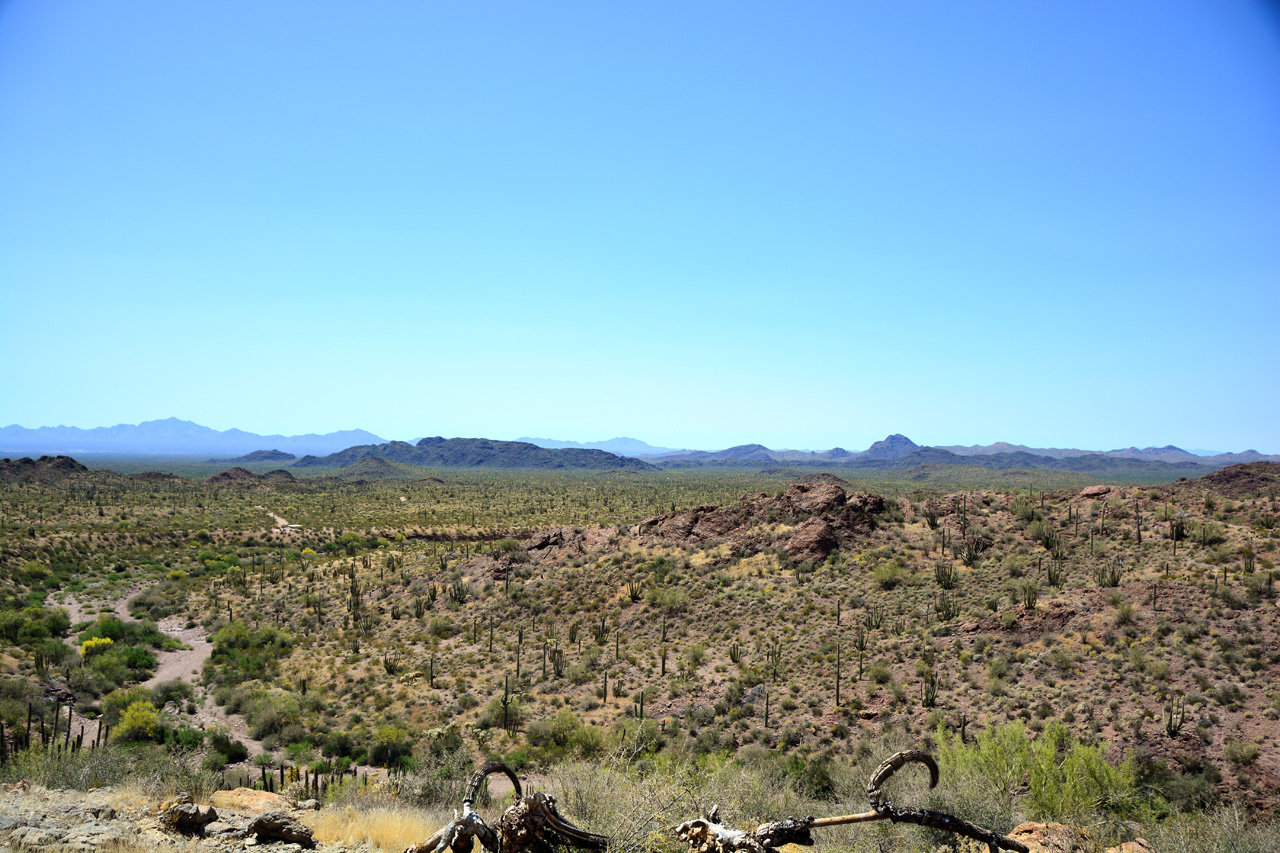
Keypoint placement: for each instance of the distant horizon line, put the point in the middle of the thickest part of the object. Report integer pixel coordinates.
(1201, 452)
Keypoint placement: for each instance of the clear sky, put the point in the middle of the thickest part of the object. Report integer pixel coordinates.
(699, 224)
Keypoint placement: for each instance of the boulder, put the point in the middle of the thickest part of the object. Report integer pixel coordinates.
(812, 540)
(1137, 845)
(187, 818)
(278, 826)
(1095, 491)
(93, 836)
(812, 498)
(248, 800)
(1052, 838)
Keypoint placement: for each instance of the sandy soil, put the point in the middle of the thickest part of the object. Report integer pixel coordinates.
(82, 611)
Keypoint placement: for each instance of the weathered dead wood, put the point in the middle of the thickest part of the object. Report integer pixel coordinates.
(707, 835)
(532, 825)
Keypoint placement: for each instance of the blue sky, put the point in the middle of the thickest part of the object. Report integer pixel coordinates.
(699, 224)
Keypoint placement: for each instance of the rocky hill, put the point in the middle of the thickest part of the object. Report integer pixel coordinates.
(46, 469)
(440, 452)
(241, 476)
(259, 456)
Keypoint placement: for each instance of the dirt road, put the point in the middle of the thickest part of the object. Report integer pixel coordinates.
(184, 664)
(280, 522)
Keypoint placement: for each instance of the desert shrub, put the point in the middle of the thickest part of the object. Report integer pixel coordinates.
(436, 778)
(16, 694)
(176, 690)
(442, 627)
(667, 599)
(1228, 828)
(184, 737)
(126, 633)
(115, 702)
(221, 742)
(337, 745)
(389, 747)
(240, 654)
(1239, 753)
(150, 770)
(1069, 782)
(888, 576)
(139, 721)
(267, 710)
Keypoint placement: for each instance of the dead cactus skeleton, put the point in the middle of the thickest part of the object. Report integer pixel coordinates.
(532, 825)
(706, 835)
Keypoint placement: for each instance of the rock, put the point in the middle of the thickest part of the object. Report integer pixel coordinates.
(1137, 845)
(36, 837)
(812, 540)
(92, 836)
(811, 498)
(1052, 838)
(310, 805)
(545, 539)
(1095, 491)
(222, 829)
(278, 826)
(248, 800)
(178, 800)
(187, 818)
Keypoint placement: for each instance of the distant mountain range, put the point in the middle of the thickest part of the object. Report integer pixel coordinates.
(622, 446)
(170, 436)
(897, 452)
(343, 449)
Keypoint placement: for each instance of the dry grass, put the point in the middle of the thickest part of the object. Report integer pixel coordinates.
(388, 827)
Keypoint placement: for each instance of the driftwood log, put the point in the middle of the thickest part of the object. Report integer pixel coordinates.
(534, 825)
(706, 835)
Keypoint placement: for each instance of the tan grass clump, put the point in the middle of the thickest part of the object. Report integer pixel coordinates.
(388, 827)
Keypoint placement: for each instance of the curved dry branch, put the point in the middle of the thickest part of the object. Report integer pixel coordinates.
(925, 817)
(707, 835)
(486, 770)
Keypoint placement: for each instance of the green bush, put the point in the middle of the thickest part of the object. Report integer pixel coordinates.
(240, 654)
(176, 690)
(389, 747)
(1069, 782)
(139, 721)
(1239, 753)
(232, 750)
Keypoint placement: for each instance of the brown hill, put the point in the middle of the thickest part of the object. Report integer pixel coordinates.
(1256, 479)
(824, 515)
(46, 469)
(235, 475)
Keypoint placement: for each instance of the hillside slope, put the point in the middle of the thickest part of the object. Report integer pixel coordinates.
(440, 452)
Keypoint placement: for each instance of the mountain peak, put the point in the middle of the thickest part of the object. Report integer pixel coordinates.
(891, 447)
